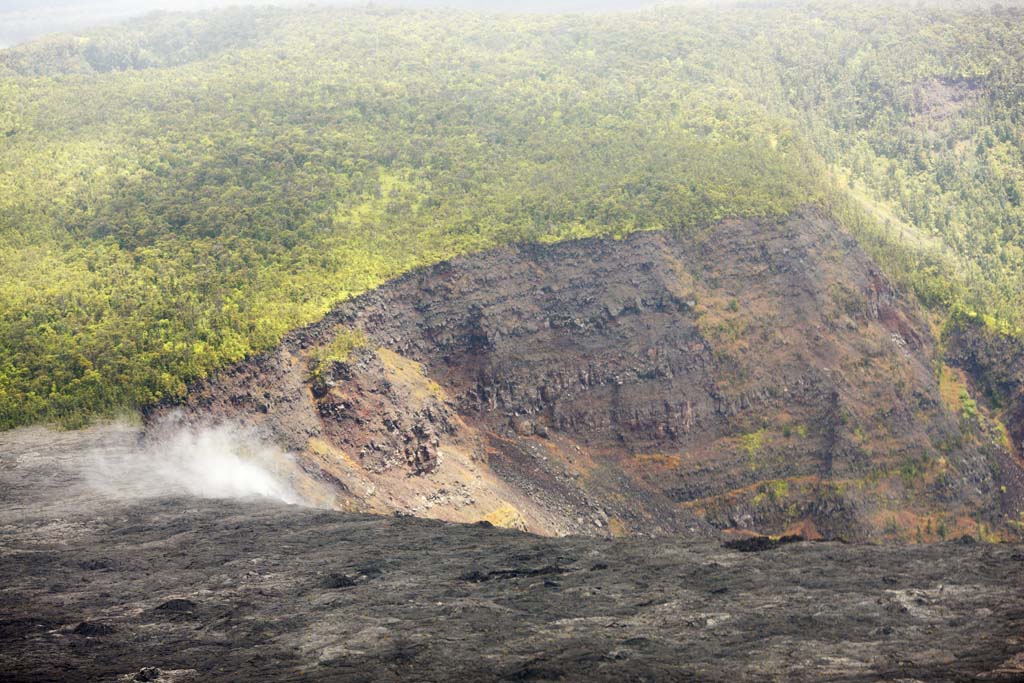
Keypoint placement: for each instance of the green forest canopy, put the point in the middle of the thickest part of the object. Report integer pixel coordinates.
(178, 192)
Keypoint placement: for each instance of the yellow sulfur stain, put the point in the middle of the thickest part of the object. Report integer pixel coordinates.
(507, 516)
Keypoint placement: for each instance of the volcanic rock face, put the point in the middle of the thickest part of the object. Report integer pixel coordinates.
(760, 376)
(994, 364)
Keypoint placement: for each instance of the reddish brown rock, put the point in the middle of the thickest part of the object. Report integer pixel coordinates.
(761, 375)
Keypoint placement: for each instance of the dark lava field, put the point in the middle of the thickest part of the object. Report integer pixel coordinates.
(100, 582)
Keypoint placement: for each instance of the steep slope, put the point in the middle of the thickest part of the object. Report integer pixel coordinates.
(760, 375)
(994, 362)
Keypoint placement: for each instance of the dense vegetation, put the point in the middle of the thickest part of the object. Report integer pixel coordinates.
(177, 192)
(922, 112)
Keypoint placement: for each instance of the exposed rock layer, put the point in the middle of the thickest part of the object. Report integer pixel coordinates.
(761, 376)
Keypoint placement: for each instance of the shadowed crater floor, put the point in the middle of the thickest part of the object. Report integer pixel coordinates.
(190, 589)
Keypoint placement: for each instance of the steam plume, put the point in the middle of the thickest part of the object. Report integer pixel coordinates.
(209, 462)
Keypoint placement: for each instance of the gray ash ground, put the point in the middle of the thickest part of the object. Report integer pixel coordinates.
(94, 588)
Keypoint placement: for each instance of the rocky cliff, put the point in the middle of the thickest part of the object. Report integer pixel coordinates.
(758, 376)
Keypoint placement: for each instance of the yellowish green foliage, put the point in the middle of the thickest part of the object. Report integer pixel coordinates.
(178, 192)
(753, 443)
(337, 351)
(797, 430)
(775, 491)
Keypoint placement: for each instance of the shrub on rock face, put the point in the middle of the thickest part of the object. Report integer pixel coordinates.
(339, 350)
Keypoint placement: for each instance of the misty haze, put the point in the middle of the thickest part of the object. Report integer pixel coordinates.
(22, 20)
(474, 341)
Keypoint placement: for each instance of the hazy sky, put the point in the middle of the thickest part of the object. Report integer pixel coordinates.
(22, 20)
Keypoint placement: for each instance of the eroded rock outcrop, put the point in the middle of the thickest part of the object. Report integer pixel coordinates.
(761, 376)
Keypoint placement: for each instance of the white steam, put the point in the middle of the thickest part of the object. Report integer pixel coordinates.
(207, 462)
